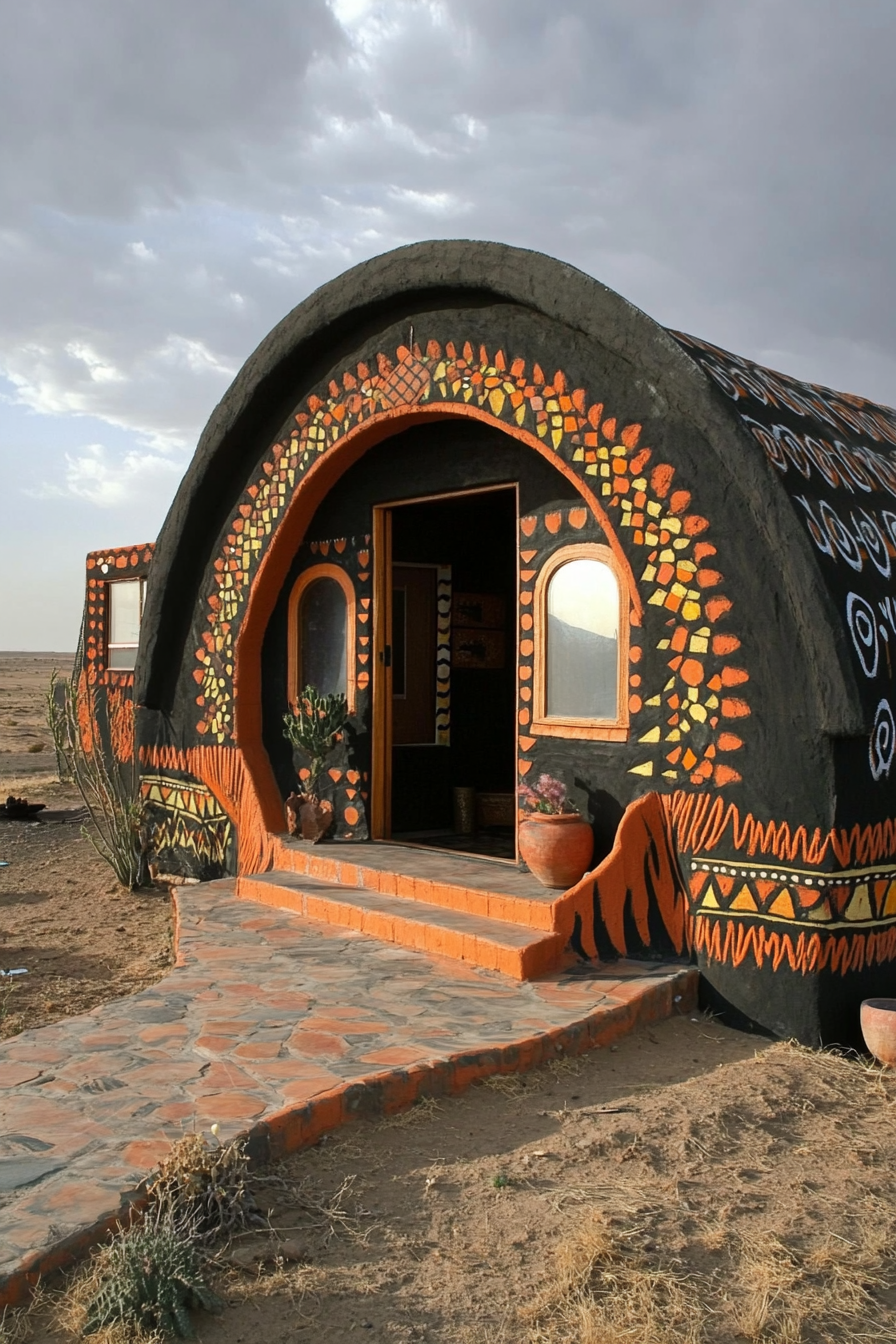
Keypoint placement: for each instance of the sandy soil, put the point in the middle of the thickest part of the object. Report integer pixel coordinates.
(27, 756)
(83, 939)
(692, 1184)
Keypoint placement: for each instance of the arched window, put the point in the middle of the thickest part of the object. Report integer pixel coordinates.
(581, 646)
(321, 634)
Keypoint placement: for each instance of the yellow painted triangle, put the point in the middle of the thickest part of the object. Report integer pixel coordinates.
(890, 906)
(709, 899)
(860, 904)
(744, 900)
(645, 769)
(653, 701)
(652, 735)
(783, 905)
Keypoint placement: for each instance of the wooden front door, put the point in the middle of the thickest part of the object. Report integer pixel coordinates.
(413, 654)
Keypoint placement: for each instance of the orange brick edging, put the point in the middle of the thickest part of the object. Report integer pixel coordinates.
(397, 1079)
(293, 1128)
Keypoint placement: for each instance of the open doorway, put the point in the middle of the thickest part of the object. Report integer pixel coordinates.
(448, 582)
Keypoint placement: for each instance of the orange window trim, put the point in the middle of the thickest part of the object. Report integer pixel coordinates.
(599, 730)
(294, 663)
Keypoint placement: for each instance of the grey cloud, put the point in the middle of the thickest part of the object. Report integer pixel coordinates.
(725, 166)
(175, 176)
(107, 105)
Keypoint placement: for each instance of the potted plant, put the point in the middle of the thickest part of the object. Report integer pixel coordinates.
(556, 843)
(313, 727)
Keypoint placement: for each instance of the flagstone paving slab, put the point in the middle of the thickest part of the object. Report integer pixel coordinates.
(277, 1027)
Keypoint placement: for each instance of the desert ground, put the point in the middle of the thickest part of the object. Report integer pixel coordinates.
(27, 757)
(693, 1185)
(63, 916)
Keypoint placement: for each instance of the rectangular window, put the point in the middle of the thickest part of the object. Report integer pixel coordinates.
(125, 610)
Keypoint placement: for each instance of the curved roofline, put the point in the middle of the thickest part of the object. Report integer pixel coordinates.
(306, 343)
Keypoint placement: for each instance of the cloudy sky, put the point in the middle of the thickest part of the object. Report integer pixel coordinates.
(175, 176)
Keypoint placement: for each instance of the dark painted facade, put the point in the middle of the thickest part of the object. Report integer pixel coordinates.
(752, 522)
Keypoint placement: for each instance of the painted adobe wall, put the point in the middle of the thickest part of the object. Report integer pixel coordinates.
(740, 675)
(833, 456)
(104, 696)
(199, 838)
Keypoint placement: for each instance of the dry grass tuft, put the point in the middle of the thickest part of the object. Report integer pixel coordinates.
(508, 1084)
(277, 1263)
(605, 1289)
(15, 1324)
(423, 1109)
(567, 1066)
(203, 1189)
(612, 1285)
(828, 1288)
(323, 1216)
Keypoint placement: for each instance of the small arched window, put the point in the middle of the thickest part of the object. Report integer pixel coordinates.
(321, 634)
(581, 646)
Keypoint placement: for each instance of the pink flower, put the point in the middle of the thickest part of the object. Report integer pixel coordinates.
(548, 794)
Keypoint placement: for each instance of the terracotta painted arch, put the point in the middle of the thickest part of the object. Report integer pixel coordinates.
(272, 571)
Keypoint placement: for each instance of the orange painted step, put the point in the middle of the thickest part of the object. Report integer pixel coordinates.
(486, 890)
(516, 951)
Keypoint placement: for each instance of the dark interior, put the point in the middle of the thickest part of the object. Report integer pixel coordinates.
(476, 536)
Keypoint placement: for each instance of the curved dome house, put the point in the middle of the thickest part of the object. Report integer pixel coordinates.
(397, 498)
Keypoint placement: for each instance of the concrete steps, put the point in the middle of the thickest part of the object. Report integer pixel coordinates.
(435, 877)
(468, 924)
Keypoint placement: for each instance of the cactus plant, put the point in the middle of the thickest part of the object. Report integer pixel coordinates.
(150, 1276)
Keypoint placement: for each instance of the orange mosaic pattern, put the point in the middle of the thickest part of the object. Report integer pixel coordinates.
(674, 559)
(121, 563)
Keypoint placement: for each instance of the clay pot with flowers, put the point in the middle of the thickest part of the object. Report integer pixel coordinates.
(556, 843)
(314, 727)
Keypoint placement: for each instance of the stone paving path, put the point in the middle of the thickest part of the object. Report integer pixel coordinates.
(277, 1026)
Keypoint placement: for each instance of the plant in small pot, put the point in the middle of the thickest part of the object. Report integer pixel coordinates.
(313, 727)
(556, 843)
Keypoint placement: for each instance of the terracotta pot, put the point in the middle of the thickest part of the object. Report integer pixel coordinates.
(556, 847)
(307, 817)
(878, 1018)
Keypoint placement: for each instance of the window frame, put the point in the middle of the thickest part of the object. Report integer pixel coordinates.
(109, 646)
(600, 730)
(294, 629)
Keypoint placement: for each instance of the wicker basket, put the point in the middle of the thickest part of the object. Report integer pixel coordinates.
(495, 809)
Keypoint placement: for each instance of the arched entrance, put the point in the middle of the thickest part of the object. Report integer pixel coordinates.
(510, 616)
